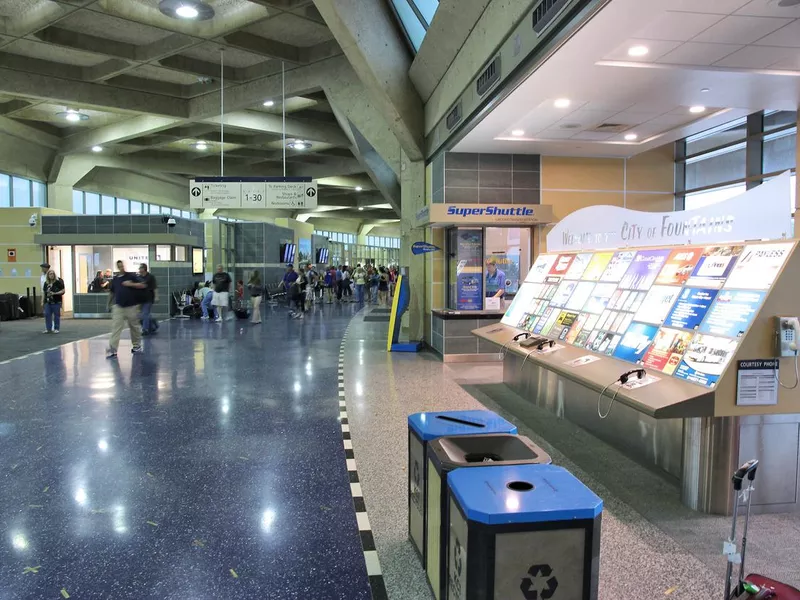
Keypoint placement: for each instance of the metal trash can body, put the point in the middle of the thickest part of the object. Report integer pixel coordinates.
(529, 531)
(447, 454)
(424, 427)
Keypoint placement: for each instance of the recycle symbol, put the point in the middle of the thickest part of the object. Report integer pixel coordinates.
(530, 591)
(458, 557)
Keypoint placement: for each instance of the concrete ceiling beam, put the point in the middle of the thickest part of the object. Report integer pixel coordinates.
(264, 47)
(198, 67)
(13, 106)
(272, 124)
(34, 18)
(106, 70)
(87, 43)
(369, 37)
(39, 67)
(164, 47)
(20, 130)
(78, 93)
(117, 132)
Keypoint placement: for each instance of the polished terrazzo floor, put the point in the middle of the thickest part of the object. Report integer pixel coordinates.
(210, 466)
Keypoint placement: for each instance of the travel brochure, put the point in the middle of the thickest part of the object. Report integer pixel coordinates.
(678, 311)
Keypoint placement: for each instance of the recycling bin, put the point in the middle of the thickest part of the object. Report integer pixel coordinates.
(447, 454)
(425, 427)
(528, 531)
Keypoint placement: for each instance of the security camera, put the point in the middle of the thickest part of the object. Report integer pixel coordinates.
(32, 221)
(171, 222)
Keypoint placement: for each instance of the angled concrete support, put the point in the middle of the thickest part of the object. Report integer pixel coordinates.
(370, 39)
(413, 199)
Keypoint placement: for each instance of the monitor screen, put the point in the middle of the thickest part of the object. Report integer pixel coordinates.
(288, 252)
(322, 256)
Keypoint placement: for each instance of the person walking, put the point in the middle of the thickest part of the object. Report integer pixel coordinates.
(330, 279)
(52, 294)
(338, 283)
(222, 285)
(311, 285)
(124, 309)
(383, 286)
(374, 280)
(256, 290)
(297, 294)
(150, 297)
(347, 283)
(360, 279)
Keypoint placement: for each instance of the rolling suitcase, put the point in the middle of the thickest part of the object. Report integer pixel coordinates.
(754, 586)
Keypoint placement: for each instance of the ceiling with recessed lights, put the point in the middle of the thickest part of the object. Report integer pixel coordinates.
(140, 81)
(643, 74)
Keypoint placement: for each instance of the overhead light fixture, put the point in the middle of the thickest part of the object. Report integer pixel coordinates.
(187, 10)
(72, 115)
(562, 103)
(359, 188)
(201, 146)
(360, 208)
(697, 109)
(638, 51)
(269, 103)
(704, 90)
(517, 132)
(97, 148)
(298, 145)
(630, 137)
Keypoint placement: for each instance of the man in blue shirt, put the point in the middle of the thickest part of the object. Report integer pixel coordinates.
(339, 283)
(125, 299)
(289, 278)
(495, 280)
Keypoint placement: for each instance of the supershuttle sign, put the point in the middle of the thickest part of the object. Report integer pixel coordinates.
(762, 213)
(484, 214)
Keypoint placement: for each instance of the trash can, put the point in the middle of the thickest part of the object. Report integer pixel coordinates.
(529, 531)
(424, 427)
(447, 454)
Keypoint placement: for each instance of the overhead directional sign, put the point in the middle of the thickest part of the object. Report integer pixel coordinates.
(290, 193)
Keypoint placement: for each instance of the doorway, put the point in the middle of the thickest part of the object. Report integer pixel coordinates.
(60, 259)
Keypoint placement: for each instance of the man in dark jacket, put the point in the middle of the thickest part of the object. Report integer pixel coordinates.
(149, 297)
(125, 309)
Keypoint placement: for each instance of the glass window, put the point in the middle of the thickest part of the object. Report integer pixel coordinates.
(779, 118)
(123, 206)
(180, 254)
(716, 167)
(21, 191)
(163, 253)
(410, 21)
(5, 191)
(89, 262)
(39, 193)
(92, 203)
(707, 197)
(77, 202)
(136, 207)
(186, 214)
(717, 136)
(427, 8)
(780, 151)
(176, 212)
(465, 269)
(108, 205)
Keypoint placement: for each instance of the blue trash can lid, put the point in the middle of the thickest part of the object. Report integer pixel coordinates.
(501, 495)
(431, 425)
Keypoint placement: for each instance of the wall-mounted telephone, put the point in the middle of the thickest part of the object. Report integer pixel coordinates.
(788, 336)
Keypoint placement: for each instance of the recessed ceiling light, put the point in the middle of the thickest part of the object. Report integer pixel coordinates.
(360, 208)
(201, 146)
(73, 115)
(638, 51)
(359, 188)
(269, 103)
(704, 90)
(562, 103)
(298, 145)
(97, 148)
(631, 136)
(697, 109)
(194, 10)
(517, 132)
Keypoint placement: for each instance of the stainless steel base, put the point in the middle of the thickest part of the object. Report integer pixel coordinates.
(701, 453)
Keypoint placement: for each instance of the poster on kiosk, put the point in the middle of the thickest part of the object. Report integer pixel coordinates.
(674, 292)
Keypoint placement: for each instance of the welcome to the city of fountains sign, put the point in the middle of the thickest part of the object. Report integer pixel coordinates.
(762, 213)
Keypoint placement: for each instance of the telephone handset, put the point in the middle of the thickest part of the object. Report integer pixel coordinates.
(788, 335)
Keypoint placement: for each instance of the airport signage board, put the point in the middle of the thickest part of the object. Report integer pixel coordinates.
(761, 213)
(289, 193)
(440, 215)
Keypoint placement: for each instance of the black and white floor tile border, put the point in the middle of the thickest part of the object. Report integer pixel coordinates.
(374, 572)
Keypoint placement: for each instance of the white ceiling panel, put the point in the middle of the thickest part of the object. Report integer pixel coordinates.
(717, 7)
(788, 36)
(698, 53)
(593, 136)
(677, 26)
(673, 119)
(741, 30)
(769, 8)
(556, 134)
(632, 118)
(757, 57)
(787, 64)
(657, 49)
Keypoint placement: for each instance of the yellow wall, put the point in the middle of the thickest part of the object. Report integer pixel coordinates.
(16, 233)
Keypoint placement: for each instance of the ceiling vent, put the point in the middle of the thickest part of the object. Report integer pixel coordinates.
(610, 128)
(489, 77)
(454, 117)
(545, 12)
(570, 126)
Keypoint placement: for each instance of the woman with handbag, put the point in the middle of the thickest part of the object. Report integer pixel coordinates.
(53, 295)
(256, 292)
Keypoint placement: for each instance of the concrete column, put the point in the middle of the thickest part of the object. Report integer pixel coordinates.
(412, 189)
